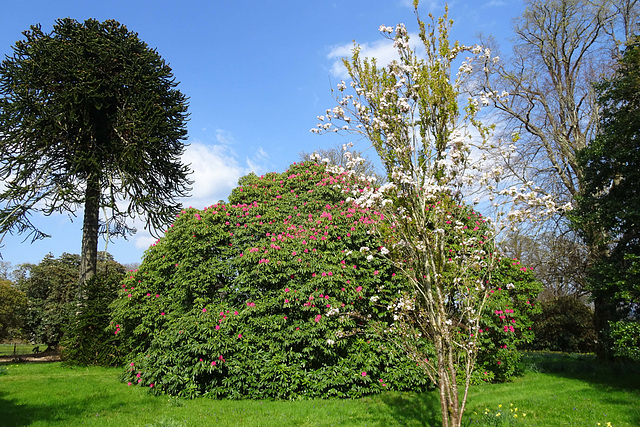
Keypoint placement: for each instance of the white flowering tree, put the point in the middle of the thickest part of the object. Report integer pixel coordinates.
(429, 144)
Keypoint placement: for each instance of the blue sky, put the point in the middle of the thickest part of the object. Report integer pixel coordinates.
(257, 74)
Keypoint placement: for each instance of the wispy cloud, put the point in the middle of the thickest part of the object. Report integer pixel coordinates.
(495, 3)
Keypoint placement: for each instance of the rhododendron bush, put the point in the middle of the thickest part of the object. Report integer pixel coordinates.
(282, 293)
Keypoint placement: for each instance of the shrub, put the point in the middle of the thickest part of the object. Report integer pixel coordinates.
(564, 324)
(273, 295)
(626, 339)
(87, 340)
(508, 322)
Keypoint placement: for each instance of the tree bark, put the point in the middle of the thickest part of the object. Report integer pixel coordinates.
(89, 255)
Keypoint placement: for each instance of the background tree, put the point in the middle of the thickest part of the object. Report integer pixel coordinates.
(89, 117)
(12, 306)
(51, 287)
(611, 200)
(559, 261)
(54, 294)
(561, 47)
(343, 156)
(565, 324)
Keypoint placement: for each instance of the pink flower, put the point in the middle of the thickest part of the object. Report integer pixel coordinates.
(359, 288)
(318, 317)
(239, 335)
(364, 374)
(213, 363)
(204, 310)
(217, 327)
(375, 272)
(151, 385)
(162, 314)
(129, 383)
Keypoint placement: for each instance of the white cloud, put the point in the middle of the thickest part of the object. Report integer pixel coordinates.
(144, 240)
(382, 50)
(216, 170)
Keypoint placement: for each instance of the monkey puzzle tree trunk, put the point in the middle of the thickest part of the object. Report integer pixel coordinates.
(89, 255)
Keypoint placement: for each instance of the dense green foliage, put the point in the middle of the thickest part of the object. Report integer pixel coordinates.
(564, 324)
(277, 294)
(54, 295)
(12, 306)
(611, 201)
(508, 323)
(51, 287)
(86, 340)
(626, 339)
(104, 124)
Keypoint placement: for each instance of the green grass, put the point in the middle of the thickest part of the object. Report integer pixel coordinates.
(558, 391)
(21, 349)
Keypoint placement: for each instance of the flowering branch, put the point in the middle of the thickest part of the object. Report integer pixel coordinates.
(431, 147)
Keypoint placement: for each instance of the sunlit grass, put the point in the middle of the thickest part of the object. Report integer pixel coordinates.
(566, 391)
(20, 349)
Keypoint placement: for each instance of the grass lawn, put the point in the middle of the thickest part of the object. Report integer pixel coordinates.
(556, 391)
(8, 349)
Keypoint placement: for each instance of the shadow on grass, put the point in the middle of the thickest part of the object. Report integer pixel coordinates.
(605, 377)
(618, 375)
(412, 408)
(67, 411)
(16, 414)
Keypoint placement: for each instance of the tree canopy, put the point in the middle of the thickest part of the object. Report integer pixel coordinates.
(611, 200)
(54, 294)
(12, 306)
(90, 118)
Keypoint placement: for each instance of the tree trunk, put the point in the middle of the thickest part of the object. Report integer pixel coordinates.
(89, 255)
(603, 308)
(603, 313)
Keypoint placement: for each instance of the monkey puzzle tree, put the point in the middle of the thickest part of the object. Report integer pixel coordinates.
(89, 117)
